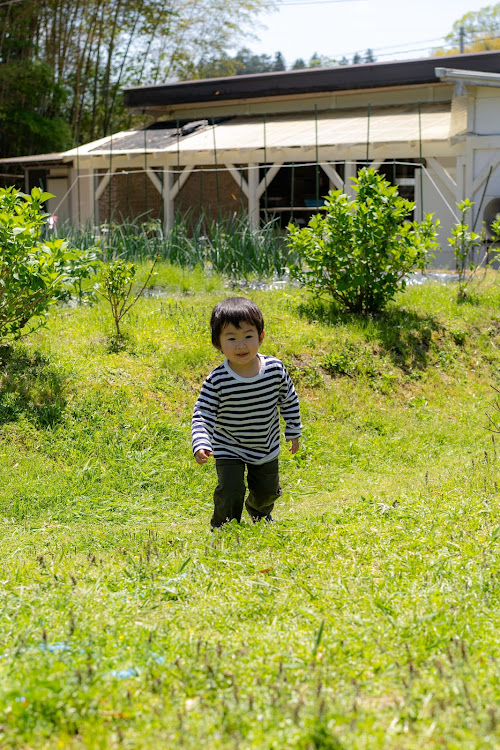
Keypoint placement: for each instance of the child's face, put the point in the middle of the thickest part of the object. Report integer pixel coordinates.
(240, 345)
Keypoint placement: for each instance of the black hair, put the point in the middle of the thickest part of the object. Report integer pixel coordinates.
(234, 311)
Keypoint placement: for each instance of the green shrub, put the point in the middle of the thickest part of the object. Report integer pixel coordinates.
(360, 251)
(31, 270)
(79, 267)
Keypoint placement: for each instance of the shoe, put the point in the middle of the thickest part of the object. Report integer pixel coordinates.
(267, 519)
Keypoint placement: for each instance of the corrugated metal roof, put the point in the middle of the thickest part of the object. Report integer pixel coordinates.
(384, 125)
(304, 131)
(241, 134)
(35, 159)
(153, 138)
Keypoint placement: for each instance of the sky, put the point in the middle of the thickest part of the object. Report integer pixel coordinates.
(393, 29)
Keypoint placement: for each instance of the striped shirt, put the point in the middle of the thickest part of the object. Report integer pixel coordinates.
(238, 417)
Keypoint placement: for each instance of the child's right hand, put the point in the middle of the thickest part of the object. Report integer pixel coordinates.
(202, 456)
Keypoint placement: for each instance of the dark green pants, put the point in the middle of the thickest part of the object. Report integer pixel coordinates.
(229, 496)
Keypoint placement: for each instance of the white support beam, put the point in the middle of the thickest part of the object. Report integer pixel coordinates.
(168, 201)
(469, 174)
(442, 173)
(253, 198)
(460, 191)
(181, 181)
(419, 194)
(332, 174)
(92, 203)
(155, 180)
(376, 163)
(169, 191)
(103, 185)
(237, 176)
(268, 178)
(357, 152)
(86, 197)
(349, 172)
(483, 176)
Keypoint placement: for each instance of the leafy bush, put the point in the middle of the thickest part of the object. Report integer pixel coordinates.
(360, 251)
(78, 267)
(31, 271)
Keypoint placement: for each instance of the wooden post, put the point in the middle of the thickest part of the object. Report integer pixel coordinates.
(334, 177)
(168, 201)
(253, 196)
(88, 199)
(350, 171)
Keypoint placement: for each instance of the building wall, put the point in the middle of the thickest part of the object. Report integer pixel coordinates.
(129, 195)
(81, 197)
(59, 205)
(132, 195)
(435, 203)
(425, 94)
(212, 194)
(487, 111)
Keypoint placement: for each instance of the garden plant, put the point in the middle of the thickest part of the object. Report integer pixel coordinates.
(229, 246)
(360, 251)
(472, 258)
(116, 285)
(32, 270)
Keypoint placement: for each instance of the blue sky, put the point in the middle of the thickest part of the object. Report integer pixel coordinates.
(394, 29)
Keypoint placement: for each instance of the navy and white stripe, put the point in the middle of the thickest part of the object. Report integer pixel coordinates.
(238, 417)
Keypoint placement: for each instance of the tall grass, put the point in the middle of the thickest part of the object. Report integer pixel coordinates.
(228, 246)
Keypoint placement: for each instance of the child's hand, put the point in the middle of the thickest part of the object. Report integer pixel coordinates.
(202, 456)
(294, 446)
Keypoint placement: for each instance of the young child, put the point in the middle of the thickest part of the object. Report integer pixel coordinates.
(236, 416)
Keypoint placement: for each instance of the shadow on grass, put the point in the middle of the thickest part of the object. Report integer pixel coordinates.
(405, 336)
(30, 387)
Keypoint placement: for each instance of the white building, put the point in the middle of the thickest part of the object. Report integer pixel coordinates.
(273, 144)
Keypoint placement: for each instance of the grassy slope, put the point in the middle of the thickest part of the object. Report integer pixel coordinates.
(365, 617)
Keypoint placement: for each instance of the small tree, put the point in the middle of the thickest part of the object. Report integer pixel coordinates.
(360, 251)
(467, 247)
(116, 288)
(31, 275)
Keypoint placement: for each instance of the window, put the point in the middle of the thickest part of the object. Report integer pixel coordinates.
(293, 193)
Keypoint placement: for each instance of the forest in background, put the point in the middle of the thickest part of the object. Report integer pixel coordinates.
(64, 65)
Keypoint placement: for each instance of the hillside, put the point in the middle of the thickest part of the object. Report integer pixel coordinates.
(365, 617)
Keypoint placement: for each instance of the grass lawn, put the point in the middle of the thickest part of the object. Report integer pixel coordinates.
(365, 617)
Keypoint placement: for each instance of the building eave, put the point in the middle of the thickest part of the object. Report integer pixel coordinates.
(35, 160)
(308, 81)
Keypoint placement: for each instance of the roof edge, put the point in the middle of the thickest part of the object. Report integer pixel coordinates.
(310, 80)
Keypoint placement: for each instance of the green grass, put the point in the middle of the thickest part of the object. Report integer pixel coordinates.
(365, 617)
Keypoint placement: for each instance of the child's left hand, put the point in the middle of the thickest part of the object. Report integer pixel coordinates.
(294, 445)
